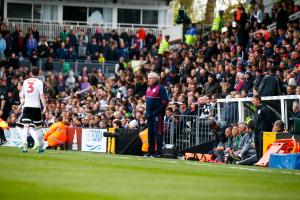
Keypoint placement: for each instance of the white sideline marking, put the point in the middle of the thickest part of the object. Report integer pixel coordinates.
(205, 164)
(244, 168)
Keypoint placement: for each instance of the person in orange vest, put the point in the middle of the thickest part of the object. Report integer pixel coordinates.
(57, 134)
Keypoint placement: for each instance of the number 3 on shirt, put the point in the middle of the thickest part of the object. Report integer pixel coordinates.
(31, 88)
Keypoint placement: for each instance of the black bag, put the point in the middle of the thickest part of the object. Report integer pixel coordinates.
(170, 151)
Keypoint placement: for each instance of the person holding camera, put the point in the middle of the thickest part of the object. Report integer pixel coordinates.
(156, 103)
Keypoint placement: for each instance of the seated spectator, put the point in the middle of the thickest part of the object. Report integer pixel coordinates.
(223, 148)
(278, 126)
(247, 154)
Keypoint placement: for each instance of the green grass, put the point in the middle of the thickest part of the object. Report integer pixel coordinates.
(78, 175)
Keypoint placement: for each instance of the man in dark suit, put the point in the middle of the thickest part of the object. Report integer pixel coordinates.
(262, 122)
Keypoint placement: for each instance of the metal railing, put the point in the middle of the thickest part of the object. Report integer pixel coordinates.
(107, 68)
(186, 131)
(272, 26)
(234, 110)
(52, 29)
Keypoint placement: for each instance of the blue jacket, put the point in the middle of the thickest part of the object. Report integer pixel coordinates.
(2, 44)
(156, 100)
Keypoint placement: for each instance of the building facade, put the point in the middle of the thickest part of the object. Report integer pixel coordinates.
(107, 13)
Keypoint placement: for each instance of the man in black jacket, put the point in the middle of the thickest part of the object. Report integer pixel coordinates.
(262, 122)
(269, 85)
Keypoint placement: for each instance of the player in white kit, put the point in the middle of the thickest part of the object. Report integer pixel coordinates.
(31, 97)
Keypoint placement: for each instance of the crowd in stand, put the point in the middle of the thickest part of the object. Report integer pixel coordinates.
(228, 62)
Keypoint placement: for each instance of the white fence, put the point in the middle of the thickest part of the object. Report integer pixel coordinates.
(52, 29)
(272, 27)
(242, 108)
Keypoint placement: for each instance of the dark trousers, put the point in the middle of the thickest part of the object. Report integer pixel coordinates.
(258, 145)
(155, 125)
(2, 136)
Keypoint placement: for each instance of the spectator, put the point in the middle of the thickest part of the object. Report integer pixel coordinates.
(278, 126)
(31, 44)
(82, 44)
(212, 86)
(2, 46)
(223, 148)
(270, 85)
(64, 34)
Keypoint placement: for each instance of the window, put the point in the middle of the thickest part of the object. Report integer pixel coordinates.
(100, 15)
(37, 11)
(150, 17)
(19, 10)
(73, 13)
(49, 12)
(131, 16)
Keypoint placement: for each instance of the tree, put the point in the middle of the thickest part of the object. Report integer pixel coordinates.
(209, 13)
(186, 4)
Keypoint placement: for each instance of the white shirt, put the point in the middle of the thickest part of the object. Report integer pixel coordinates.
(31, 91)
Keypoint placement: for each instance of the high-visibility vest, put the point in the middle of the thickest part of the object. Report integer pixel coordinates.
(144, 137)
(3, 124)
(164, 46)
(191, 36)
(57, 134)
(217, 23)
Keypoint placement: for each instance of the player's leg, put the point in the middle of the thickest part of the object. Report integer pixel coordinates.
(38, 140)
(24, 135)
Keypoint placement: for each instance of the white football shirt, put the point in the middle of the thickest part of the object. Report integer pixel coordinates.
(31, 91)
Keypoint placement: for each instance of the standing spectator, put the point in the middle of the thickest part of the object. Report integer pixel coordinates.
(282, 17)
(259, 15)
(62, 52)
(164, 45)
(2, 46)
(64, 34)
(98, 35)
(150, 40)
(156, 103)
(35, 33)
(92, 49)
(262, 122)
(31, 45)
(43, 48)
(49, 66)
(70, 82)
(14, 61)
(270, 85)
(73, 39)
(212, 86)
(218, 22)
(82, 42)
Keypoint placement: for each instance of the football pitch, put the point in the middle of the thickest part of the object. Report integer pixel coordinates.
(78, 175)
